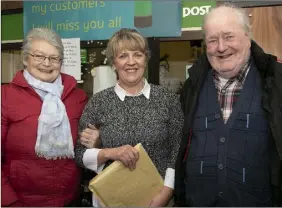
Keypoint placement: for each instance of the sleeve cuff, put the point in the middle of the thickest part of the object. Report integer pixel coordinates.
(90, 160)
(169, 178)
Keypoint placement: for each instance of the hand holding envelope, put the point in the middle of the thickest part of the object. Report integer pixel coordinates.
(119, 186)
(127, 154)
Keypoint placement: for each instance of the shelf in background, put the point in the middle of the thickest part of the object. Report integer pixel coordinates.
(11, 45)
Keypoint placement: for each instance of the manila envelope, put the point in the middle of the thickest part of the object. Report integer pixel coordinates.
(119, 186)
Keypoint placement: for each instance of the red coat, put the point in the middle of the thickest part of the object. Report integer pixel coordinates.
(26, 178)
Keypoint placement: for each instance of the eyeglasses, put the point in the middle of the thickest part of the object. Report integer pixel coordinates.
(41, 58)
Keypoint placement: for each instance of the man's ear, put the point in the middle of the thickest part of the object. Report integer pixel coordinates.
(249, 41)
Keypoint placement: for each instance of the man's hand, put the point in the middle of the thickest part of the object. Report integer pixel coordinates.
(90, 137)
(162, 198)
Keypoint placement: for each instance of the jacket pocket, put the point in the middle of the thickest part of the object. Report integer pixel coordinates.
(251, 122)
(205, 123)
(250, 180)
(200, 181)
(16, 115)
(202, 167)
(44, 177)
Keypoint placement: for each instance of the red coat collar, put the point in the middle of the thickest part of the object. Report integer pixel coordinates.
(69, 82)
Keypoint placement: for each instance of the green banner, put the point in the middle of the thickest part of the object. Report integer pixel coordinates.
(193, 13)
(12, 27)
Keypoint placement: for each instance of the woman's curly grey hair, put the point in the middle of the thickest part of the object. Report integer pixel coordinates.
(42, 34)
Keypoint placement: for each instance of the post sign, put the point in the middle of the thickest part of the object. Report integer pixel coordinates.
(193, 13)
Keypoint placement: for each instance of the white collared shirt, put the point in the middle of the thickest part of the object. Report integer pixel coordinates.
(121, 93)
(90, 157)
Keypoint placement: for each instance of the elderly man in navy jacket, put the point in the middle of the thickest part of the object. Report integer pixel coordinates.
(231, 149)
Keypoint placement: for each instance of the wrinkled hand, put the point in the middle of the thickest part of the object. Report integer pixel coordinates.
(127, 154)
(162, 198)
(90, 137)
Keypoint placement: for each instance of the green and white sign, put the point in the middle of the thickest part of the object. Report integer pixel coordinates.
(193, 13)
(83, 56)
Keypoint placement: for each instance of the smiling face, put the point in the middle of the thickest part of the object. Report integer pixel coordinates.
(45, 70)
(130, 66)
(228, 45)
(128, 52)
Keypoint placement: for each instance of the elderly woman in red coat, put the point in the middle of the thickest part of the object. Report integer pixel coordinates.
(41, 108)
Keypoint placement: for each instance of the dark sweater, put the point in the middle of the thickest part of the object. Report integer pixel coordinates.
(155, 122)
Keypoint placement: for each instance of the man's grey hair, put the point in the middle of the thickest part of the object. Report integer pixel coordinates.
(46, 34)
(242, 16)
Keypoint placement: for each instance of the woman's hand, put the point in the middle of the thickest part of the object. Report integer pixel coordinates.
(162, 198)
(127, 154)
(90, 137)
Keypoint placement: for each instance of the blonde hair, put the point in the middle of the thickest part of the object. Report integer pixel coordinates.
(126, 39)
(242, 17)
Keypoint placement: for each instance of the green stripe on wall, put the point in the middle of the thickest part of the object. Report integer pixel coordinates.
(12, 27)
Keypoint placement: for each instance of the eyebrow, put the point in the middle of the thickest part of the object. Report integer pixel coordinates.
(227, 33)
(37, 51)
(134, 52)
(212, 37)
(216, 36)
(122, 53)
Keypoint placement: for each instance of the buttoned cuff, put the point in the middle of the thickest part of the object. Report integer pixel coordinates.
(169, 178)
(90, 160)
